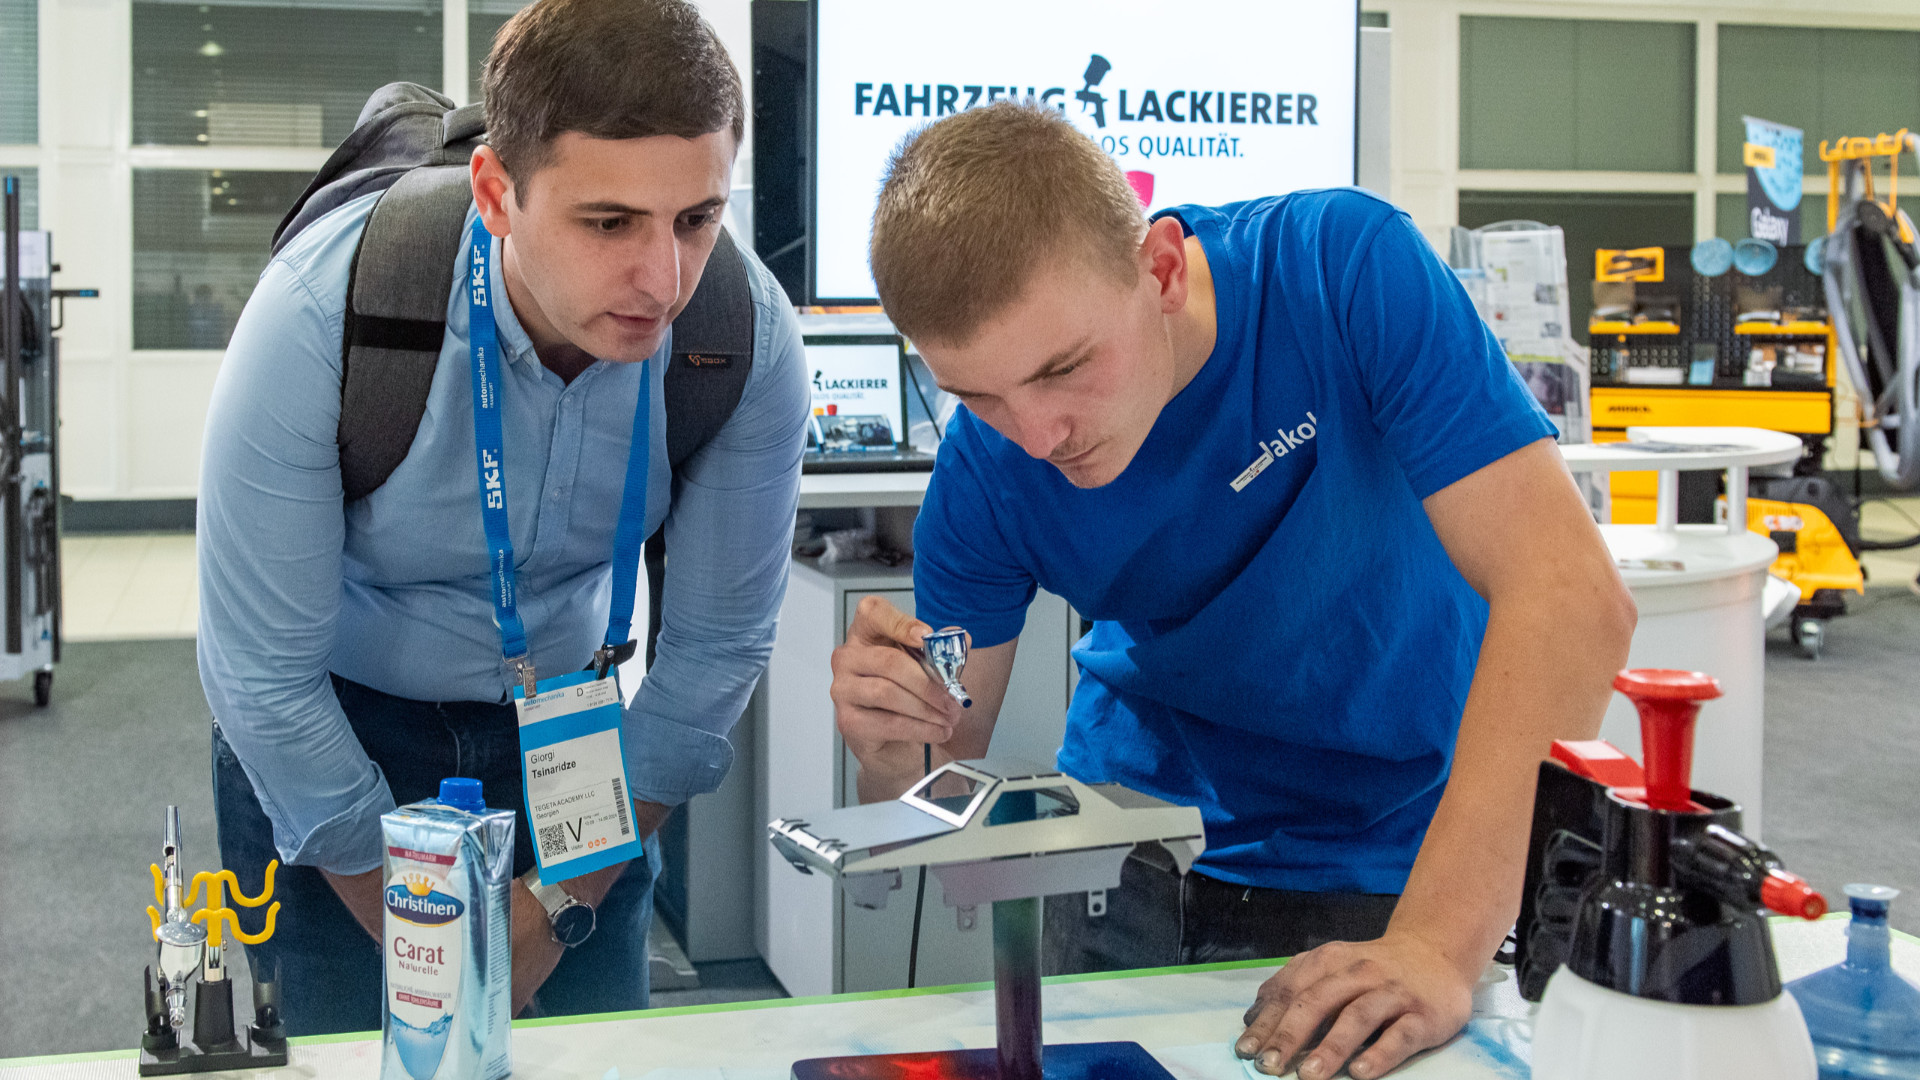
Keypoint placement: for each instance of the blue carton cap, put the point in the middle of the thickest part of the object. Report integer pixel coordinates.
(462, 793)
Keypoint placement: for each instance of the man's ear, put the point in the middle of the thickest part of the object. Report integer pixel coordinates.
(1163, 257)
(492, 189)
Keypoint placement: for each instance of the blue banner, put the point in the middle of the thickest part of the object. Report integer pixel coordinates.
(1773, 154)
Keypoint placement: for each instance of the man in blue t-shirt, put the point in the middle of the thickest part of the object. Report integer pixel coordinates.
(1344, 591)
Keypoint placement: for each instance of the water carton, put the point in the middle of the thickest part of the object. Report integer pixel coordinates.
(447, 938)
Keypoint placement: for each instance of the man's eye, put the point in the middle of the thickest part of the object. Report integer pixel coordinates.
(1068, 370)
(697, 221)
(608, 224)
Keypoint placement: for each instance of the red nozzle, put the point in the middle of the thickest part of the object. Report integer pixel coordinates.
(1668, 702)
(1789, 894)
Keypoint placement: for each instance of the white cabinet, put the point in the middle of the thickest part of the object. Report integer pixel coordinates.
(813, 940)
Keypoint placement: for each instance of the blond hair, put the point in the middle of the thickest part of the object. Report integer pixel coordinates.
(974, 203)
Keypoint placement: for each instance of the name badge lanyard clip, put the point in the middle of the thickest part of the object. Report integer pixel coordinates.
(489, 444)
(573, 770)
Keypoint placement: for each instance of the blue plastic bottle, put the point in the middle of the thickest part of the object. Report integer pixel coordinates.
(1863, 1016)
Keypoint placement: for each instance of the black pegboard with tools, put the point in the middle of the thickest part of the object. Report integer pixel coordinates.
(1706, 311)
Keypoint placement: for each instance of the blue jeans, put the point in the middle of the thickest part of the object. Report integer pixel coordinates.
(329, 968)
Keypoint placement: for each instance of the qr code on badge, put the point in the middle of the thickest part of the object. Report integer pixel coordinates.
(553, 840)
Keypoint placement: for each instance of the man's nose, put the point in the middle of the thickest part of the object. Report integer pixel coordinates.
(1037, 429)
(656, 268)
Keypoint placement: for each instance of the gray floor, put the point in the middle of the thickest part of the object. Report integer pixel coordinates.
(83, 787)
(83, 782)
(1843, 752)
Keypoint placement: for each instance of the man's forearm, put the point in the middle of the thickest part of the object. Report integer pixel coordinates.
(1543, 674)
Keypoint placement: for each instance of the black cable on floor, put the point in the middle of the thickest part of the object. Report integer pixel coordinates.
(920, 892)
(1888, 545)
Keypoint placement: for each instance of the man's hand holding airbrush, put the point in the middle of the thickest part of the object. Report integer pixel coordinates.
(884, 703)
(889, 708)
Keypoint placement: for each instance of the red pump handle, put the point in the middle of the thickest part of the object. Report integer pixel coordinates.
(1669, 702)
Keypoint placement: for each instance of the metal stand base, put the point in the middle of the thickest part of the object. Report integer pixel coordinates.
(1061, 1061)
(242, 1053)
(215, 1046)
(1019, 1054)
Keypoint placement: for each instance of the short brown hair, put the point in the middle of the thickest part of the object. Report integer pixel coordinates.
(974, 203)
(610, 69)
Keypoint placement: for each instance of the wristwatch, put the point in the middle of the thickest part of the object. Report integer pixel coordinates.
(572, 918)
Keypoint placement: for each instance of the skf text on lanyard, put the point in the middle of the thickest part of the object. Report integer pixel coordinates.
(572, 767)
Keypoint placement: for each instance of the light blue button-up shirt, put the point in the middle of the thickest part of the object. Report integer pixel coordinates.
(393, 591)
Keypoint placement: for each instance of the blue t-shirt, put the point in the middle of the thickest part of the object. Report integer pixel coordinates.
(1279, 637)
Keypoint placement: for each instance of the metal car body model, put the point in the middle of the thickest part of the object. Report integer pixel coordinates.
(990, 830)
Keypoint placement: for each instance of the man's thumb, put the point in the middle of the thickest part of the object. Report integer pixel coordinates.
(884, 623)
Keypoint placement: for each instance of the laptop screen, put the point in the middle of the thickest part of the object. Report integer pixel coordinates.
(859, 402)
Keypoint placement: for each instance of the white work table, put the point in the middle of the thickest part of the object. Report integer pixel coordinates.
(821, 491)
(1187, 1017)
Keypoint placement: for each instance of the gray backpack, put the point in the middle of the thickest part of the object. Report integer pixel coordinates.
(412, 145)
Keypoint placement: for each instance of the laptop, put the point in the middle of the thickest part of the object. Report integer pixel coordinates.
(859, 415)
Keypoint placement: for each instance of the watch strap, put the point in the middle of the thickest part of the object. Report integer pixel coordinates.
(557, 901)
(551, 897)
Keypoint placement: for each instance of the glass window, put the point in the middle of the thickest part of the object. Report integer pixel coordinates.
(1374, 18)
(19, 72)
(1035, 805)
(1576, 94)
(1829, 83)
(1590, 221)
(484, 19)
(29, 195)
(272, 74)
(200, 240)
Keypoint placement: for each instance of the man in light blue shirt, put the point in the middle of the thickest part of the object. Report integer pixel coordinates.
(349, 650)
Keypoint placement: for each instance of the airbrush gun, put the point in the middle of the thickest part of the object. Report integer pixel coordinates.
(943, 653)
(182, 941)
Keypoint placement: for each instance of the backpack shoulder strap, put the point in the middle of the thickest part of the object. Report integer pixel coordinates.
(396, 317)
(712, 357)
(712, 353)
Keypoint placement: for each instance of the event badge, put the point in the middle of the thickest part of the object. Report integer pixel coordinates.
(578, 805)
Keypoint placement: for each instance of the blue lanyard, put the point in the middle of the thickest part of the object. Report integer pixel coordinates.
(490, 457)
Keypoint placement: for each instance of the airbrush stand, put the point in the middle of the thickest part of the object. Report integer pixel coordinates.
(197, 941)
(1019, 1053)
(1005, 834)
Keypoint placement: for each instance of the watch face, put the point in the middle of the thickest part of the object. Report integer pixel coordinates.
(572, 924)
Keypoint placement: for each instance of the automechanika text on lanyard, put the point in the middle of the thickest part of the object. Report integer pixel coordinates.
(571, 761)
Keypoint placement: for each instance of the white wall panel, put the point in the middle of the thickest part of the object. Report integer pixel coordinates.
(85, 57)
(84, 202)
(89, 427)
(167, 394)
